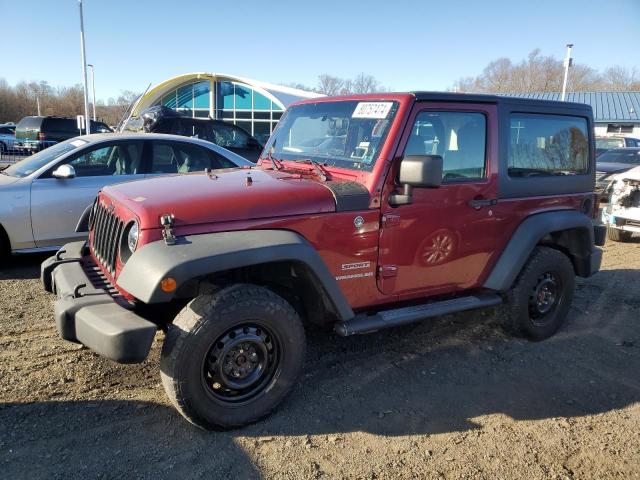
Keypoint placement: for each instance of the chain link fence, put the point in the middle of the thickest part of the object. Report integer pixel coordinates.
(9, 156)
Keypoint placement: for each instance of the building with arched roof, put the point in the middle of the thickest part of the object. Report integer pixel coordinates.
(251, 104)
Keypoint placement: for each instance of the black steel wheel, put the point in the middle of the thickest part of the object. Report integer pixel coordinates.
(241, 363)
(539, 301)
(545, 297)
(231, 357)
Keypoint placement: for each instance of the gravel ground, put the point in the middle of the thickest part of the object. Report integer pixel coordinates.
(450, 398)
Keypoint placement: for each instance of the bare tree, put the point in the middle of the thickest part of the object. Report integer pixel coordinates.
(362, 83)
(330, 85)
(21, 100)
(539, 73)
(620, 78)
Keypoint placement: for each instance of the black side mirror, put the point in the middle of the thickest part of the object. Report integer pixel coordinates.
(417, 171)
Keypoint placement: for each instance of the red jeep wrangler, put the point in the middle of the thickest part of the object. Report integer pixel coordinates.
(364, 212)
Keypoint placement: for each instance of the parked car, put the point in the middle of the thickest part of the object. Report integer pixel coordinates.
(622, 213)
(7, 138)
(366, 212)
(43, 196)
(37, 133)
(613, 162)
(607, 143)
(160, 119)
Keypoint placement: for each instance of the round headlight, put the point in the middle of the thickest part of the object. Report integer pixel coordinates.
(132, 237)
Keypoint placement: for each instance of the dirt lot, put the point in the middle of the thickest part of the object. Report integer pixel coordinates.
(452, 398)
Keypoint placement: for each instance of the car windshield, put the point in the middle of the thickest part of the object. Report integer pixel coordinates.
(35, 162)
(620, 156)
(346, 134)
(609, 143)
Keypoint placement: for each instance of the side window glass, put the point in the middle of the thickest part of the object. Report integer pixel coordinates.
(194, 158)
(547, 145)
(163, 158)
(458, 137)
(229, 136)
(120, 159)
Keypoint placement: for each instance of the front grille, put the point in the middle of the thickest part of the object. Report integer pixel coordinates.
(107, 229)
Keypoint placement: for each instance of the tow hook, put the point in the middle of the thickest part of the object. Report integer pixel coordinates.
(166, 221)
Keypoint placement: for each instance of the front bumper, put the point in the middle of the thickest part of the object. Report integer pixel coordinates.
(92, 316)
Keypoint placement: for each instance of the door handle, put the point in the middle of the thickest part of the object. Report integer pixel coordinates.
(481, 202)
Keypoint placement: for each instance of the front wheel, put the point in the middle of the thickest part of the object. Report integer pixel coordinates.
(539, 302)
(231, 357)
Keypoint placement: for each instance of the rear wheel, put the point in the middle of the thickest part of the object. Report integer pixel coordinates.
(231, 357)
(618, 235)
(539, 302)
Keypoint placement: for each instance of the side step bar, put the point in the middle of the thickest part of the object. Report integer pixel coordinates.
(364, 323)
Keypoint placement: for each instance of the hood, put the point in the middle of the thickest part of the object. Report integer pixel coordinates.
(633, 174)
(7, 179)
(612, 167)
(226, 196)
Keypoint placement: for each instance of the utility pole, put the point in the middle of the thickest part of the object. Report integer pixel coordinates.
(84, 72)
(38, 103)
(93, 88)
(567, 63)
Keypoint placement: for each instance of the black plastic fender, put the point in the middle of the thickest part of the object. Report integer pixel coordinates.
(194, 256)
(528, 235)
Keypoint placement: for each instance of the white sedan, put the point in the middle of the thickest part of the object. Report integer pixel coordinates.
(43, 196)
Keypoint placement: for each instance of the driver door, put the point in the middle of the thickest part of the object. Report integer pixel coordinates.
(57, 204)
(444, 240)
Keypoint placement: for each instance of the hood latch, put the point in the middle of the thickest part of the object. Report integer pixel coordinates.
(166, 221)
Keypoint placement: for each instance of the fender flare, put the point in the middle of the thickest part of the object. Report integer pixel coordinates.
(194, 256)
(528, 235)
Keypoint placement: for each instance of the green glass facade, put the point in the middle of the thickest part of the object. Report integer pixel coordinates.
(233, 102)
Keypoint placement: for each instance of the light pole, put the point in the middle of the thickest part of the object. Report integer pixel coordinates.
(84, 72)
(567, 63)
(93, 88)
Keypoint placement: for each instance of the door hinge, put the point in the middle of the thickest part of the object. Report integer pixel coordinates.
(390, 220)
(387, 271)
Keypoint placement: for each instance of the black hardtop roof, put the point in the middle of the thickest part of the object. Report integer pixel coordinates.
(497, 99)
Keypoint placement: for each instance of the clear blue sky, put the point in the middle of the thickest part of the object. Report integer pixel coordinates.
(405, 44)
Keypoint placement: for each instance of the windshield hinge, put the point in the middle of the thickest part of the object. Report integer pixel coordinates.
(387, 271)
(390, 220)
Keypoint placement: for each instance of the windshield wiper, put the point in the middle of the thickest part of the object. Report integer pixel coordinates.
(274, 162)
(318, 167)
(276, 165)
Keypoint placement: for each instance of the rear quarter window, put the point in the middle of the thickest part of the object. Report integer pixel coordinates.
(29, 123)
(547, 145)
(60, 125)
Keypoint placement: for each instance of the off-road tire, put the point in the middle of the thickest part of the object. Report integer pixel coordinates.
(197, 330)
(519, 313)
(618, 235)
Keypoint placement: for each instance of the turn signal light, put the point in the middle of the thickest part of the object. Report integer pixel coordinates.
(168, 284)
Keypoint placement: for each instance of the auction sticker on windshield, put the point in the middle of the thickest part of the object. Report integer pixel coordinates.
(372, 110)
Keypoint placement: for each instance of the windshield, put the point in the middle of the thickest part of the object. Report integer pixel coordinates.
(609, 142)
(35, 162)
(620, 156)
(347, 134)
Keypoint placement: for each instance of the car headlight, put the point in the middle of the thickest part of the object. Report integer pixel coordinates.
(132, 237)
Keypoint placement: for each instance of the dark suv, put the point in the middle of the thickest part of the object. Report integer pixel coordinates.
(160, 119)
(365, 212)
(37, 133)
